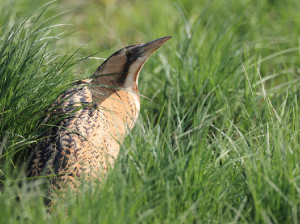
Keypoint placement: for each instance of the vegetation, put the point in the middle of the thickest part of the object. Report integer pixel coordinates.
(217, 140)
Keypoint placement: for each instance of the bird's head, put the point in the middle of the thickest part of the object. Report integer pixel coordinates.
(123, 67)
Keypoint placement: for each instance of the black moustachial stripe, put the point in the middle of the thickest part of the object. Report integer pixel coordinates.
(121, 80)
(135, 52)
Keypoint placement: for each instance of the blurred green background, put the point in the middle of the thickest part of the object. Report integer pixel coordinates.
(217, 139)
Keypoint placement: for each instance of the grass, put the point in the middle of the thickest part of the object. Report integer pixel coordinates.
(217, 143)
(31, 78)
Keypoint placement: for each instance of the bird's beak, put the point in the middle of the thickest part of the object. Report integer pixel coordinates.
(148, 48)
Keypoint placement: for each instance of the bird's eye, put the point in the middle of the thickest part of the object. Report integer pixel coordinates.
(128, 54)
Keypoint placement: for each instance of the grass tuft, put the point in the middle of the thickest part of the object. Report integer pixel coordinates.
(33, 75)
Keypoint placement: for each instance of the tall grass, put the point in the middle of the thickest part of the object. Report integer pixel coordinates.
(219, 140)
(33, 75)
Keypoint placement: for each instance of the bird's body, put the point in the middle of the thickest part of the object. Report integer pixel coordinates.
(96, 114)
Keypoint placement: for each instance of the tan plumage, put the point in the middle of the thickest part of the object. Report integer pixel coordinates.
(98, 114)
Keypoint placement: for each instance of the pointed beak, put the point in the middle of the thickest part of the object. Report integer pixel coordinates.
(148, 48)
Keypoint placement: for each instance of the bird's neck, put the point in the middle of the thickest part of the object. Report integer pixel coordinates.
(120, 106)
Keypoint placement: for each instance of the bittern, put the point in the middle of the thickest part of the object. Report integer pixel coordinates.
(97, 115)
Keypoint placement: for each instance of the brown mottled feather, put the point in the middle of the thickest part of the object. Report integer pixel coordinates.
(79, 143)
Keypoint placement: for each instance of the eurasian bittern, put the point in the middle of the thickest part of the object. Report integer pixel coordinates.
(98, 114)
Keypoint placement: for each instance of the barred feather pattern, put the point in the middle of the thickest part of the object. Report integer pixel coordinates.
(86, 141)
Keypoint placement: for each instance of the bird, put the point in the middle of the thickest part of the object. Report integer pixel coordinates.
(95, 115)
